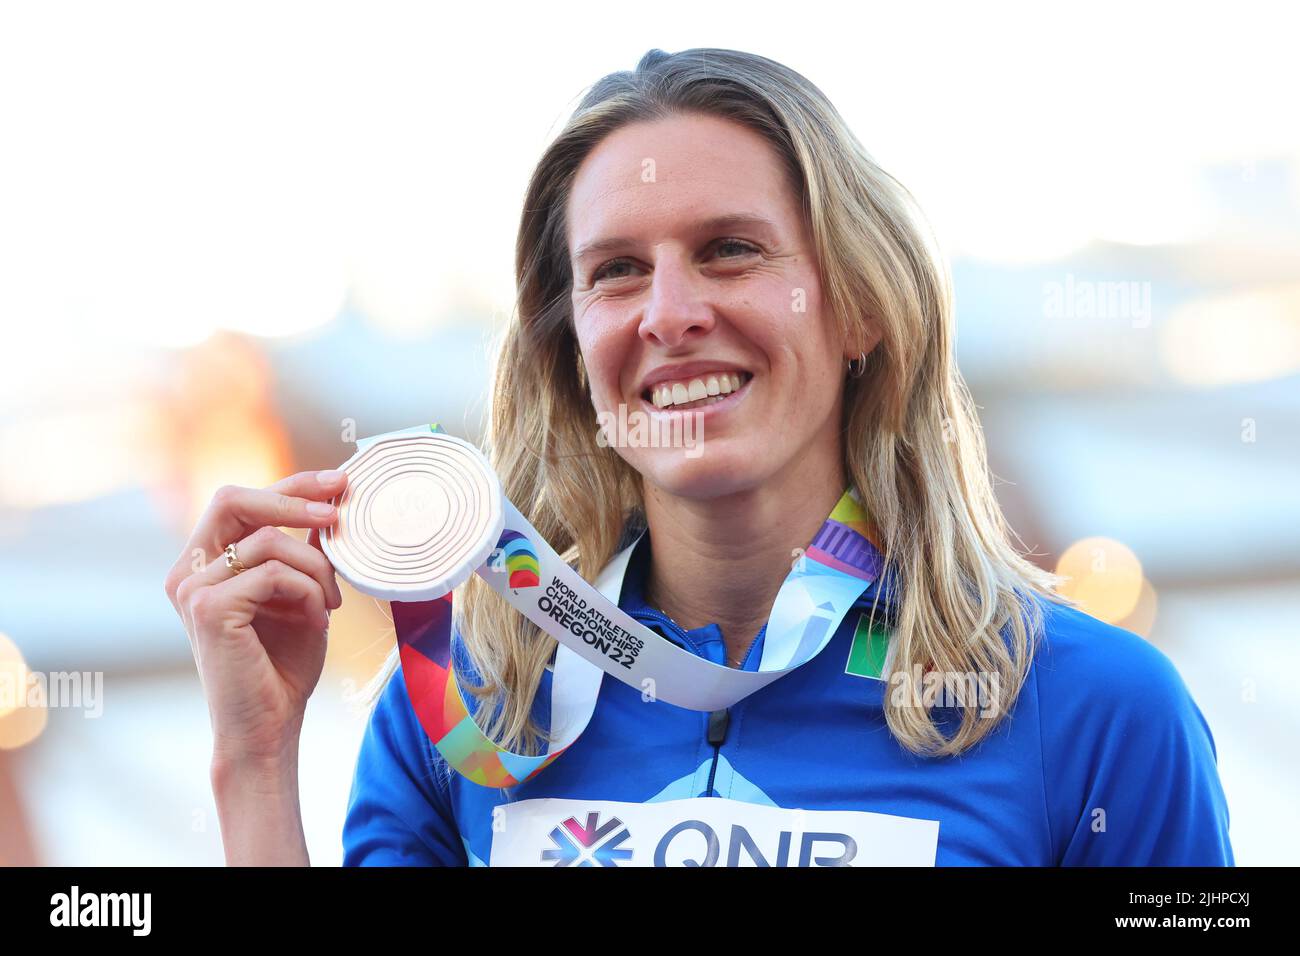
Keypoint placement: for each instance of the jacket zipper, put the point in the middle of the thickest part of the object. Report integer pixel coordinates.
(719, 720)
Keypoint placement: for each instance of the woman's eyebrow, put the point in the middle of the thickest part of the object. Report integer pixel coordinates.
(714, 223)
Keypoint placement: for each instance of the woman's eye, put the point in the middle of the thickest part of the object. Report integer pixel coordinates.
(610, 269)
(744, 247)
(613, 264)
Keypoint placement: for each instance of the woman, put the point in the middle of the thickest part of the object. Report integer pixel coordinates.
(706, 238)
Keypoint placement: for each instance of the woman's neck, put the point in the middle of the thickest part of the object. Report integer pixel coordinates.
(723, 560)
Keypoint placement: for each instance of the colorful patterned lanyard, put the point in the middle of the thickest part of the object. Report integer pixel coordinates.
(423, 510)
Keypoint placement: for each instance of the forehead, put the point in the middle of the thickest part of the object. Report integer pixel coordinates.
(654, 174)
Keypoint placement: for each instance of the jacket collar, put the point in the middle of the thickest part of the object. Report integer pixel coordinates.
(632, 597)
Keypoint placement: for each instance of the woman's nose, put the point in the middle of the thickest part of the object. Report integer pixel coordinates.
(678, 305)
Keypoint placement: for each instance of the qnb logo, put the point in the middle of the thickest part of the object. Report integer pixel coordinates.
(595, 844)
(695, 843)
(702, 841)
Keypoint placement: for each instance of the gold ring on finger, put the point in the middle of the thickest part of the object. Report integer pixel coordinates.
(232, 560)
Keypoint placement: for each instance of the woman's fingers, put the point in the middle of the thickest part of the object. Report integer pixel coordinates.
(299, 501)
(238, 598)
(262, 545)
(311, 484)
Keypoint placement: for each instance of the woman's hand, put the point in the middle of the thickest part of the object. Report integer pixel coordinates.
(259, 636)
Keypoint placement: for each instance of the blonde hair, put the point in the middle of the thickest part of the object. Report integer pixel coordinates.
(913, 445)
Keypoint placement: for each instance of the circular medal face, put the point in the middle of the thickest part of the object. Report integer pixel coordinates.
(420, 513)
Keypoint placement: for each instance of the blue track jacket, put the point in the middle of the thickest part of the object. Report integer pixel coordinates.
(1104, 760)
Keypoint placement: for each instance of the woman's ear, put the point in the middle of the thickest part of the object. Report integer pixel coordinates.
(867, 338)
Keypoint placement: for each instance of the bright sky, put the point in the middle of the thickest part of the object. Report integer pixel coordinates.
(173, 168)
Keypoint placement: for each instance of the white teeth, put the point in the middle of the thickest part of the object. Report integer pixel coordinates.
(695, 390)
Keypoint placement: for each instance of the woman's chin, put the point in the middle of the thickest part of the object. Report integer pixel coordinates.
(688, 473)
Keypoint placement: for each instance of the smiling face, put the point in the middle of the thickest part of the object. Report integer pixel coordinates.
(692, 272)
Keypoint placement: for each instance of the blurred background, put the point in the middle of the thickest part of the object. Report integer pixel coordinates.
(231, 232)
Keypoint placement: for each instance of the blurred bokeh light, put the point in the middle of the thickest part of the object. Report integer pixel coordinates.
(1104, 576)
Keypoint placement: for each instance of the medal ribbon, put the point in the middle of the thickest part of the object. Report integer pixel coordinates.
(597, 637)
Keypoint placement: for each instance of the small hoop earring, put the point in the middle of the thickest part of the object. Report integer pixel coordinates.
(858, 366)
